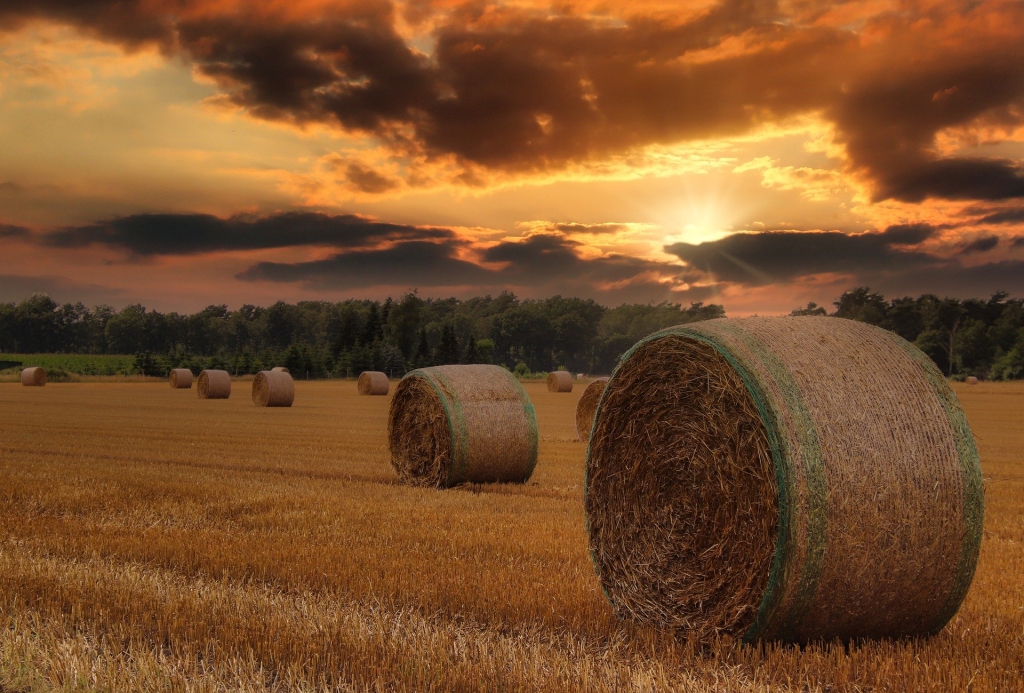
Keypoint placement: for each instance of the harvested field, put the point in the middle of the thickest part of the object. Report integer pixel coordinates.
(282, 554)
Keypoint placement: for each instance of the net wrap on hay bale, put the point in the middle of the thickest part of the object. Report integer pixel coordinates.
(373, 383)
(791, 479)
(273, 389)
(214, 384)
(587, 407)
(33, 376)
(180, 378)
(559, 381)
(454, 424)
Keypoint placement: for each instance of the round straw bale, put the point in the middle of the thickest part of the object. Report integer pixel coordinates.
(373, 383)
(33, 377)
(280, 369)
(453, 424)
(559, 381)
(214, 384)
(791, 479)
(181, 378)
(273, 389)
(971, 380)
(587, 406)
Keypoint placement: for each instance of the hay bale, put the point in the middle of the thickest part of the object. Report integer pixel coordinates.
(373, 383)
(453, 424)
(971, 380)
(790, 479)
(33, 376)
(214, 384)
(273, 389)
(180, 378)
(280, 369)
(587, 407)
(559, 381)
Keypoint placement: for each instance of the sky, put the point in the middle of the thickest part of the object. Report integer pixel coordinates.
(760, 155)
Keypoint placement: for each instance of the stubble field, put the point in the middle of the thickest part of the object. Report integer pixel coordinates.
(153, 541)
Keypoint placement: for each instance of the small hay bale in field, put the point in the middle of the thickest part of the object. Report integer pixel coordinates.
(559, 381)
(373, 383)
(791, 479)
(273, 389)
(180, 378)
(214, 384)
(971, 380)
(454, 424)
(587, 406)
(280, 369)
(33, 377)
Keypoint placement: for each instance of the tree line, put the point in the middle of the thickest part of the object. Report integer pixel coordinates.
(317, 339)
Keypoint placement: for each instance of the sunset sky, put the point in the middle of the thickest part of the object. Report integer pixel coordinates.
(761, 155)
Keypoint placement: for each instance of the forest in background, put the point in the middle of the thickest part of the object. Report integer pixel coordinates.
(317, 339)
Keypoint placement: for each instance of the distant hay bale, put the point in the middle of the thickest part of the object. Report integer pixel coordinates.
(791, 479)
(971, 380)
(580, 376)
(280, 369)
(559, 381)
(214, 384)
(454, 424)
(273, 389)
(373, 383)
(33, 377)
(587, 406)
(181, 378)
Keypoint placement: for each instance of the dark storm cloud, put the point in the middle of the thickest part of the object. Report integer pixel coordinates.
(764, 258)
(188, 234)
(980, 245)
(515, 89)
(1005, 216)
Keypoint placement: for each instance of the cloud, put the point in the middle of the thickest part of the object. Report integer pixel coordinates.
(521, 89)
(757, 259)
(980, 245)
(1005, 216)
(9, 231)
(189, 234)
(365, 179)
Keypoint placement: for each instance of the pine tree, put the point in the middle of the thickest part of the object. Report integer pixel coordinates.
(471, 355)
(448, 348)
(423, 350)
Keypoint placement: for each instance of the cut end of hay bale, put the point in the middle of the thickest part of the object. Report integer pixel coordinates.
(454, 424)
(273, 389)
(373, 383)
(761, 478)
(213, 384)
(34, 376)
(587, 407)
(180, 378)
(559, 381)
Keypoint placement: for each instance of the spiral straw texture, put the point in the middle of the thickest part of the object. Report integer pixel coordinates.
(34, 376)
(180, 378)
(214, 384)
(791, 479)
(453, 424)
(559, 381)
(373, 383)
(273, 389)
(587, 407)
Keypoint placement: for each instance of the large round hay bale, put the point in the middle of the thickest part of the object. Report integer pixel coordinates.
(971, 380)
(587, 407)
(789, 479)
(559, 381)
(453, 424)
(273, 389)
(373, 383)
(33, 377)
(214, 384)
(280, 369)
(180, 378)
